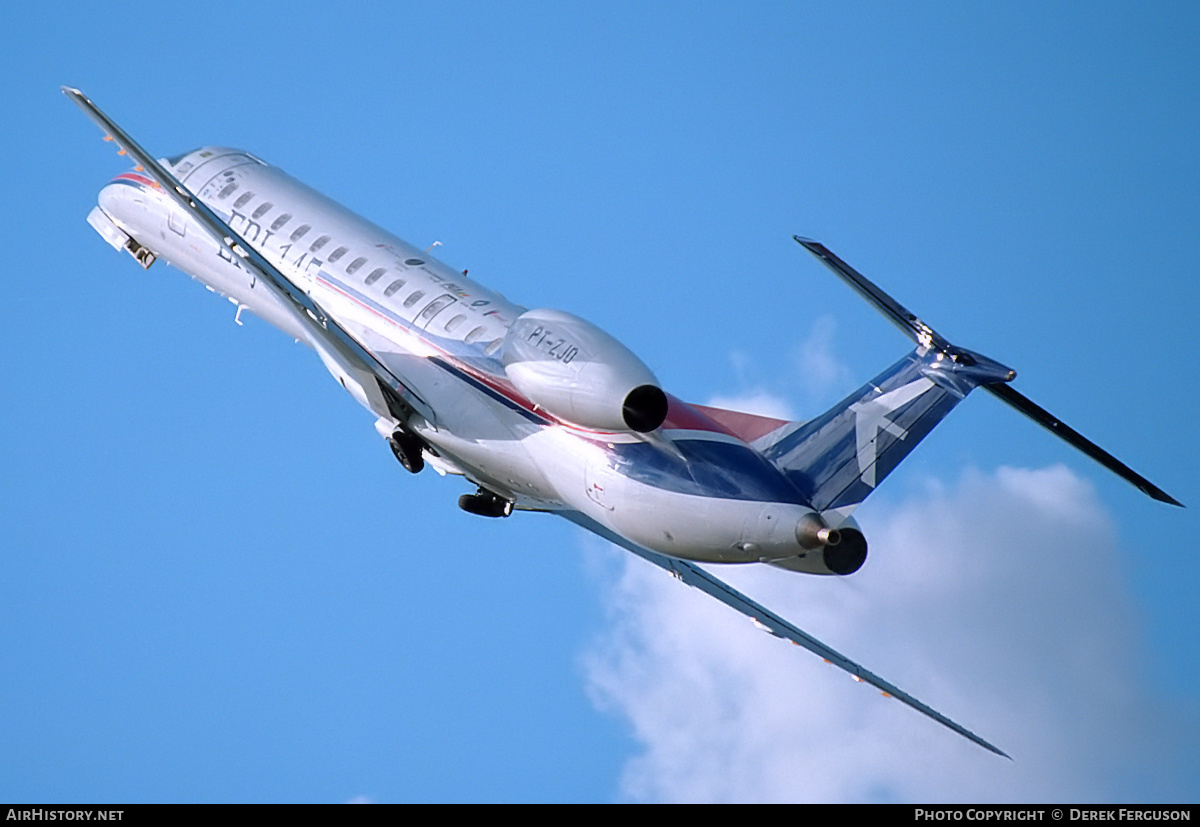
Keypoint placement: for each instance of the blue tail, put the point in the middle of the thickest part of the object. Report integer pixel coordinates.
(839, 458)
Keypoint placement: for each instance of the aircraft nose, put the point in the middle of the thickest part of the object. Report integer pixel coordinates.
(113, 199)
(125, 200)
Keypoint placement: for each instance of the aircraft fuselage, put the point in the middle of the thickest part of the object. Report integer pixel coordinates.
(692, 489)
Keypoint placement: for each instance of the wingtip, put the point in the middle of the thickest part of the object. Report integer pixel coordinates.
(1164, 497)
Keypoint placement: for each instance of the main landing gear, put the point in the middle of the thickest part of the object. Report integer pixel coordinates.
(485, 504)
(407, 447)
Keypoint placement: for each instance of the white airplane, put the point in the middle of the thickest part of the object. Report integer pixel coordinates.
(538, 409)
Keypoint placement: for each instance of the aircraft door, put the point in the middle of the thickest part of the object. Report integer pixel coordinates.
(426, 316)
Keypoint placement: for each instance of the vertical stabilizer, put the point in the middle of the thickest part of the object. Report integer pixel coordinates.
(839, 458)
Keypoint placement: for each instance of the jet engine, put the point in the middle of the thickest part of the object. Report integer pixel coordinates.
(575, 371)
(841, 550)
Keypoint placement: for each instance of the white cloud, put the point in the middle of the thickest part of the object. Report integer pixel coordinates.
(816, 372)
(821, 371)
(998, 600)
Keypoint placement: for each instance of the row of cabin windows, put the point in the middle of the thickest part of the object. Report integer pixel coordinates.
(354, 266)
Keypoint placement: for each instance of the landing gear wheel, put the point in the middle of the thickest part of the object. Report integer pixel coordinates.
(485, 504)
(407, 448)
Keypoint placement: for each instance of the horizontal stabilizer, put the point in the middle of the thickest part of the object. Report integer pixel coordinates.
(913, 327)
(1068, 434)
(990, 375)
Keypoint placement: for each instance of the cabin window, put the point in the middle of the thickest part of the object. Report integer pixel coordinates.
(436, 306)
(354, 266)
(243, 200)
(393, 287)
(493, 346)
(414, 298)
(280, 221)
(338, 253)
(474, 336)
(374, 277)
(319, 243)
(262, 210)
(300, 231)
(225, 193)
(455, 322)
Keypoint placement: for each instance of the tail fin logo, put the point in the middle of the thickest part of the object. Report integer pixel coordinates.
(871, 417)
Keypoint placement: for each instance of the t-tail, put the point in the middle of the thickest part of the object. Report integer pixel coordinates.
(839, 458)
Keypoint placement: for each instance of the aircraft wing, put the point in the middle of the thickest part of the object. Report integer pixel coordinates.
(698, 578)
(331, 341)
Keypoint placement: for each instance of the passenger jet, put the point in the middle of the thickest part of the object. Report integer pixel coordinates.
(538, 409)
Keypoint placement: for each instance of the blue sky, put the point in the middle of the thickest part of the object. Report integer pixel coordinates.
(219, 585)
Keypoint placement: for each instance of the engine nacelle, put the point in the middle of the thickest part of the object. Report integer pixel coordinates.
(841, 550)
(577, 372)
